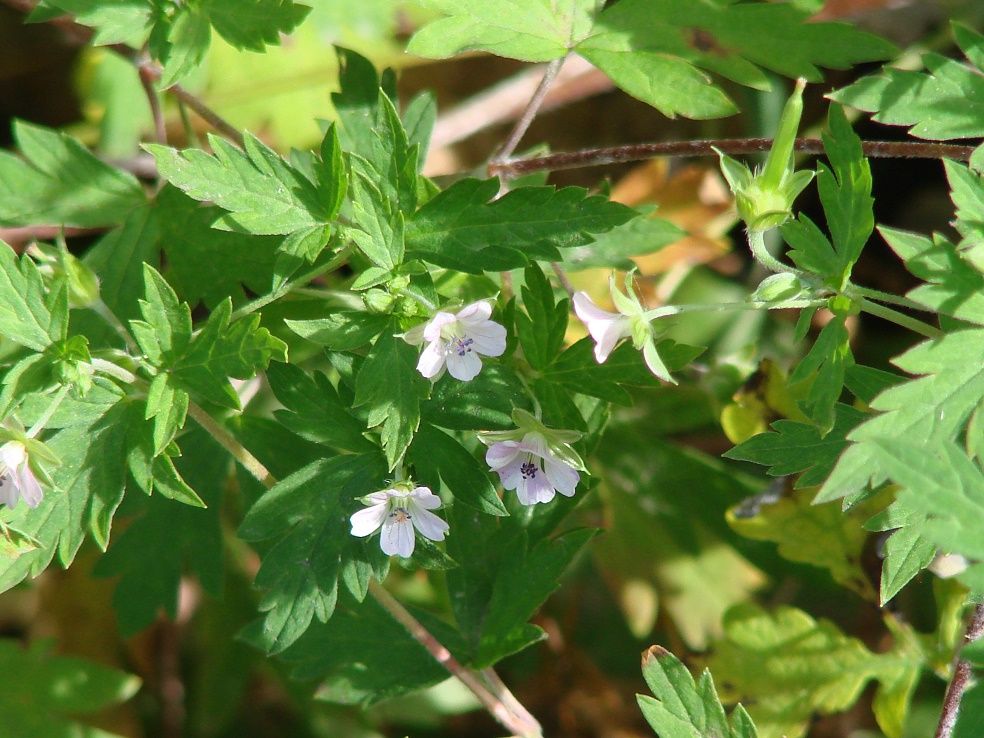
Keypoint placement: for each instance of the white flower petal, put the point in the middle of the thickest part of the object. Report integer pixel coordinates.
(587, 312)
(432, 331)
(502, 454)
(30, 490)
(8, 492)
(463, 366)
(431, 362)
(397, 537)
(606, 328)
(534, 487)
(561, 476)
(426, 499)
(489, 338)
(477, 312)
(366, 522)
(429, 525)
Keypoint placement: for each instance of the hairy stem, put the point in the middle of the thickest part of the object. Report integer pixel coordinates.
(239, 452)
(207, 114)
(147, 78)
(103, 311)
(525, 726)
(562, 276)
(960, 679)
(732, 146)
(519, 130)
(49, 411)
(888, 297)
(894, 316)
(756, 242)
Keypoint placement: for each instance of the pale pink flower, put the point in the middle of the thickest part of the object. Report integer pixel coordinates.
(457, 340)
(529, 467)
(533, 459)
(398, 511)
(17, 481)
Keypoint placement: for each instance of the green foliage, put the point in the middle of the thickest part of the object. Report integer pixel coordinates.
(637, 42)
(636, 237)
(761, 652)
(347, 251)
(363, 656)
(529, 31)
(845, 191)
(463, 228)
(314, 410)
(391, 386)
(308, 513)
(951, 376)
(60, 182)
(797, 447)
(29, 315)
(153, 553)
(44, 692)
(180, 34)
(435, 453)
(88, 488)
(209, 264)
(263, 194)
(820, 535)
(683, 709)
(943, 103)
(942, 496)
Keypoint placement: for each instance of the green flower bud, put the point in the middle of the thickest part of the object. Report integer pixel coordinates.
(778, 287)
(764, 199)
(55, 263)
(378, 301)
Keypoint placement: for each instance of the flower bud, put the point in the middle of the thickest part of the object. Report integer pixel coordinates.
(378, 301)
(56, 263)
(765, 198)
(779, 287)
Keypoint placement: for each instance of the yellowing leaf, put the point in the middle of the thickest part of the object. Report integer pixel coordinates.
(786, 666)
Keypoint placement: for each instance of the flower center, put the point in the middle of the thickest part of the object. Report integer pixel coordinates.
(529, 470)
(401, 514)
(462, 345)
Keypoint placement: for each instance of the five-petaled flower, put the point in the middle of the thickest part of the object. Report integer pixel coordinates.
(17, 481)
(398, 510)
(631, 321)
(457, 340)
(534, 460)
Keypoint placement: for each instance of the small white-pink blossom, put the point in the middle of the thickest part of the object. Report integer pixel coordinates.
(605, 328)
(398, 511)
(530, 467)
(456, 341)
(533, 459)
(17, 481)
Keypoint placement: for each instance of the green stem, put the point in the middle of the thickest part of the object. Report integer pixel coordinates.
(520, 725)
(264, 300)
(887, 297)
(756, 242)
(46, 416)
(723, 307)
(894, 316)
(102, 310)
